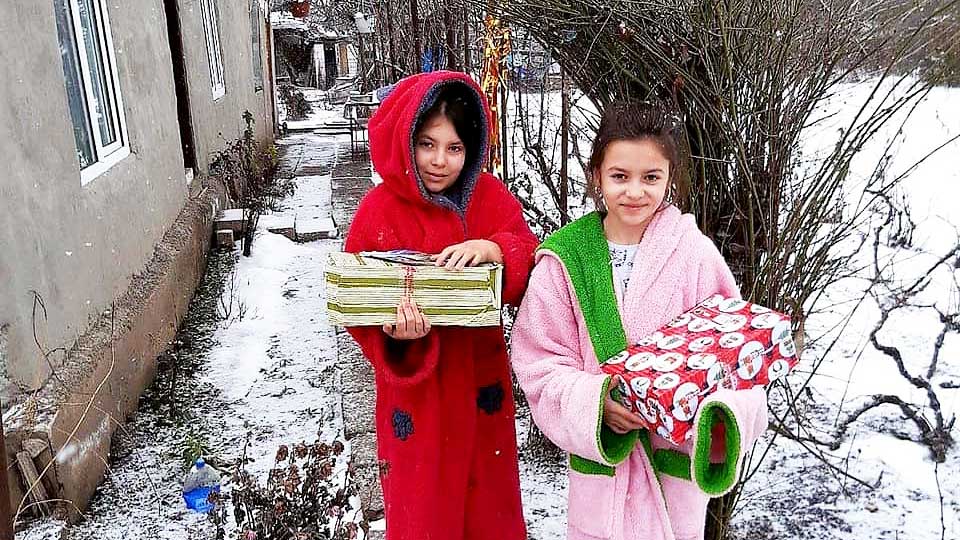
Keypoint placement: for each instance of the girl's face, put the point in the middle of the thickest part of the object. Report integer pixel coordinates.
(633, 180)
(439, 153)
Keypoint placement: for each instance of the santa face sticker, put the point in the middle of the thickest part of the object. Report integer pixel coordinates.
(765, 320)
(787, 348)
(778, 369)
(731, 305)
(682, 320)
(781, 332)
(624, 389)
(640, 361)
(713, 301)
(666, 381)
(668, 362)
(620, 358)
(645, 342)
(653, 410)
(731, 341)
(668, 343)
(715, 374)
(730, 323)
(701, 361)
(750, 361)
(650, 340)
(663, 432)
(644, 411)
(729, 382)
(700, 325)
(666, 422)
(700, 344)
(640, 386)
(685, 401)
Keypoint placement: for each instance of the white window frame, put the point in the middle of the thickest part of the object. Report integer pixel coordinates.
(107, 155)
(211, 29)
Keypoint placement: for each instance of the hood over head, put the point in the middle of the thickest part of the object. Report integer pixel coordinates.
(393, 125)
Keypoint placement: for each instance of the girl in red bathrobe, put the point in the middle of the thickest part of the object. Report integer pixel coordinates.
(445, 413)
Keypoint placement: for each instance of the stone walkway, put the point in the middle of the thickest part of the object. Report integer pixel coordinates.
(350, 181)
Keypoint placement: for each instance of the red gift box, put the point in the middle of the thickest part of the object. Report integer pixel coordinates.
(721, 343)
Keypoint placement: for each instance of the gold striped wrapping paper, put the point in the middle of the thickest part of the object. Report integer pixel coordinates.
(362, 291)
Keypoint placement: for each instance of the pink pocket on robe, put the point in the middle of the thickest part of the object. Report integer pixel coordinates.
(591, 503)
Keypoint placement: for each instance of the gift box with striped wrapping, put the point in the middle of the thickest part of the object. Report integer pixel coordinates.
(365, 289)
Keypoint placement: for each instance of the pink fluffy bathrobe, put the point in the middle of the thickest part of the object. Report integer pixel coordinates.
(635, 486)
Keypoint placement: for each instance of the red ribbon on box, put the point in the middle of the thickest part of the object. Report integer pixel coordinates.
(720, 343)
(408, 272)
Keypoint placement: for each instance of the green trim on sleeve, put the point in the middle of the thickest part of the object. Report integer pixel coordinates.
(614, 447)
(716, 478)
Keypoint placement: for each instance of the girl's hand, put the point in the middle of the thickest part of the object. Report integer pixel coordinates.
(469, 253)
(411, 322)
(616, 416)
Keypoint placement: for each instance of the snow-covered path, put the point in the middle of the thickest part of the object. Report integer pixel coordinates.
(254, 362)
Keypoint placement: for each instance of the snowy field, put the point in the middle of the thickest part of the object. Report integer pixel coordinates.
(879, 483)
(894, 488)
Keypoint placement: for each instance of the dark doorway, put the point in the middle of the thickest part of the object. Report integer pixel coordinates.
(330, 64)
(175, 37)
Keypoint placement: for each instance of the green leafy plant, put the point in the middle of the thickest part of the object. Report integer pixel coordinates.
(250, 173)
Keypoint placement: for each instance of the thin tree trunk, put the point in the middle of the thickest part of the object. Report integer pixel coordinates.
(415, 29)
(451, 36)
(564, 147)
(466, 39)
(503, 128)
(391, 40)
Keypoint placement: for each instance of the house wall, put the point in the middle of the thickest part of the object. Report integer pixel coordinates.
(77, 246)
(216, 120)
(133, 239)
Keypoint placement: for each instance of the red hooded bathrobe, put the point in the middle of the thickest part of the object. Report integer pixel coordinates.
(445, 412)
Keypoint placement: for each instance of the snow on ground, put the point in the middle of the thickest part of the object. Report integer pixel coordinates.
(323, 112)
(794, 494)
(257, 364)
(265, 374)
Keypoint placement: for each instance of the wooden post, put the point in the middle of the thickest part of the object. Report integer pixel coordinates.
(6, 516)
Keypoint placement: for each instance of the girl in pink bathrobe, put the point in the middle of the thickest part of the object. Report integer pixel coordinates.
(612, 278)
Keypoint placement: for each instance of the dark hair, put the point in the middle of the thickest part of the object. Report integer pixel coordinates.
(454, 104)
(632, 121)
